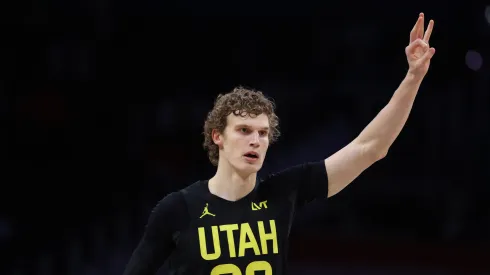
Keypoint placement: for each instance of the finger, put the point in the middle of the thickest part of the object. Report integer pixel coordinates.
(420, 32)
(429, 31)
(428, 55)
(415, 44)
(414, 32)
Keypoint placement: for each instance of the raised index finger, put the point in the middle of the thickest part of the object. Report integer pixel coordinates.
(415, 31)
(428, 32)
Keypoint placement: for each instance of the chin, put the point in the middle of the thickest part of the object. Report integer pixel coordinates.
(249, 168)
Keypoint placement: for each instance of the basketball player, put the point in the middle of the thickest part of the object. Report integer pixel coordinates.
(232, 224)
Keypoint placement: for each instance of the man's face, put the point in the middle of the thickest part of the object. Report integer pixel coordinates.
(244, 142)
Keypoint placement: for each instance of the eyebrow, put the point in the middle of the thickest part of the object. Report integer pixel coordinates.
(248, 126)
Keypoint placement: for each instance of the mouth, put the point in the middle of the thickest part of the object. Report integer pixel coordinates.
(251, 155)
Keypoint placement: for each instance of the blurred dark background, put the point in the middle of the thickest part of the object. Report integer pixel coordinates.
(103, 104)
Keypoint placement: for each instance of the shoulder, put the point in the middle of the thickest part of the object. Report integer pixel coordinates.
(293, 178)
(300, 172)
(303, 182)
(194, 188)
(169, 205)
(173, 207)
(170, 200)
(177, 200)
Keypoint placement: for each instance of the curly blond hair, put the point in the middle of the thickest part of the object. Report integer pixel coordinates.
(241, 102)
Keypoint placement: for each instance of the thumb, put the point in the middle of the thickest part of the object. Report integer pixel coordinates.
(419, 43)
(428, 54)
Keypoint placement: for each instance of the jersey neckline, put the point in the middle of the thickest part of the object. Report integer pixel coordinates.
(246, 198)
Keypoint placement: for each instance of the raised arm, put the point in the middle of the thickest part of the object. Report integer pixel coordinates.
(374, 141)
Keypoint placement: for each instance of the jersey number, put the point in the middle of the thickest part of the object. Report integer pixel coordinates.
(235, 270)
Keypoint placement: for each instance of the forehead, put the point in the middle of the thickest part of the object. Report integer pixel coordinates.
(260, 121)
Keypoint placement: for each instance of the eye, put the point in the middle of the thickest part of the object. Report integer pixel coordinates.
(244, 130)
(263, 133)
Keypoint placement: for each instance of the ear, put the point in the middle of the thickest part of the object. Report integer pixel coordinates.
(217, 137)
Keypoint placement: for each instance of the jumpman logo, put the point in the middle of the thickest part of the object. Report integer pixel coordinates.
(206, 212)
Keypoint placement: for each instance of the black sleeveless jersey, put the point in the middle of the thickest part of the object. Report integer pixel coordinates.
(199, 233)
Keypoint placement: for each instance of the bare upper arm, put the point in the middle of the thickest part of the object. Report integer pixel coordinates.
(347, 164)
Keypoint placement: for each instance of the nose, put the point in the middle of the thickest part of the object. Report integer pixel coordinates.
(254, 139)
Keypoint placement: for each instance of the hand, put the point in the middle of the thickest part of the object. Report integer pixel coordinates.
(418, 51)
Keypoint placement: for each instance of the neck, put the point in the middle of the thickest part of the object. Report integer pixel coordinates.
(230, 185)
